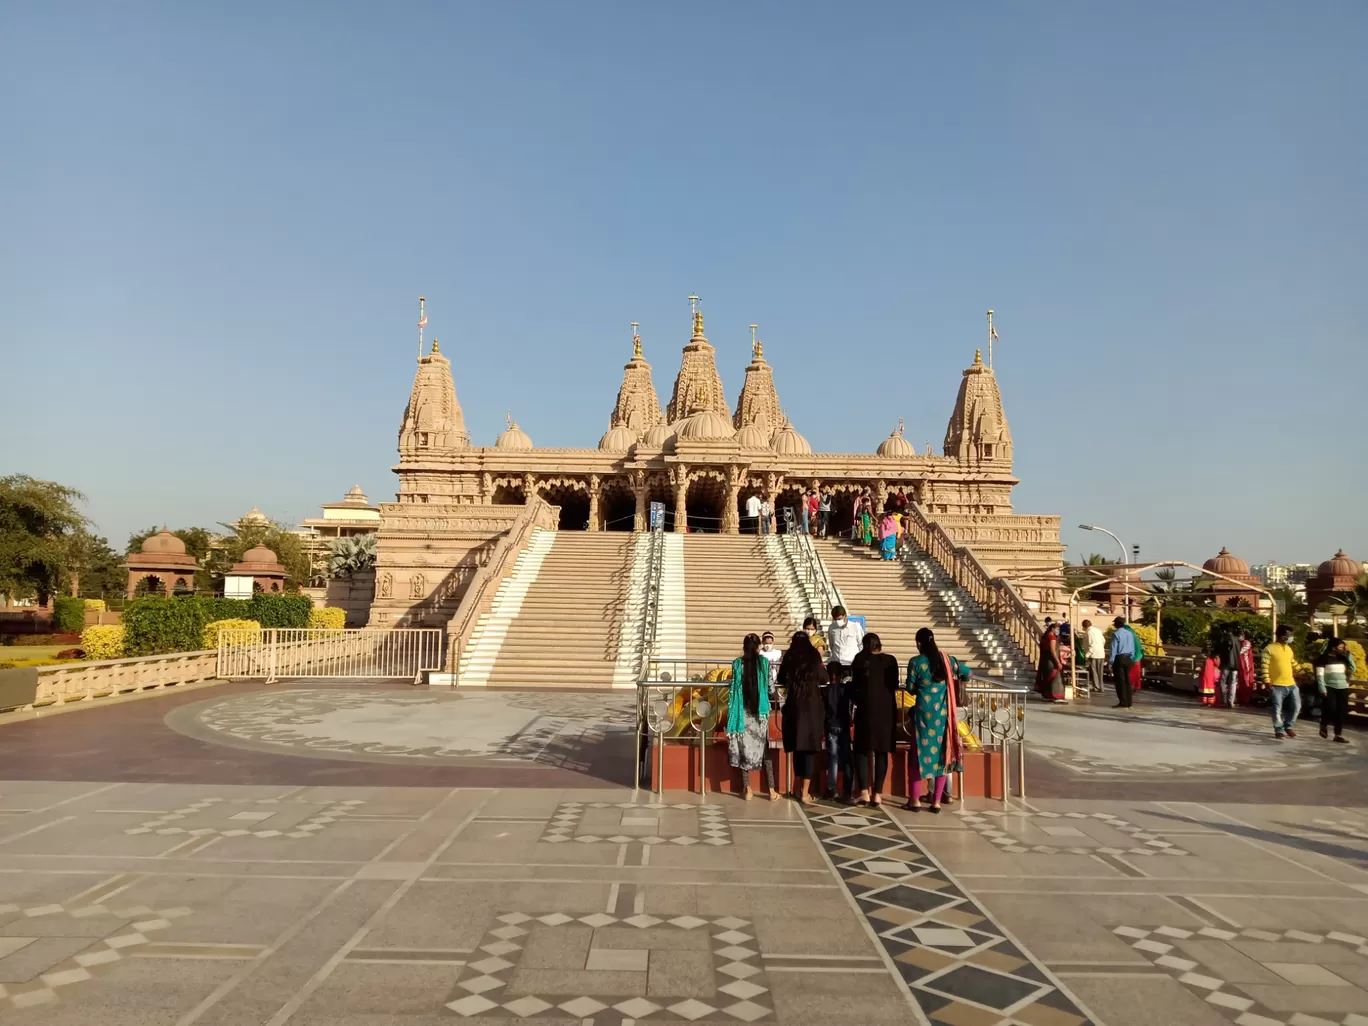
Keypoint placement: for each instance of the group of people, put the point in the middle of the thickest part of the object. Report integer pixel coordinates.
(846, 709)
(1123, 654)
(1334, 666)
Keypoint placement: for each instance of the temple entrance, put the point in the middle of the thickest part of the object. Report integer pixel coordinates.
(617, 506)
(573, 500)
(749, 524)
(509, 495)
(788, 507)
(658, 490)
(707, 499)
(842, 512)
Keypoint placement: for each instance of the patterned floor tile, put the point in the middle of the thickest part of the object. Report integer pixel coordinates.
(989, 824)
(713, 828)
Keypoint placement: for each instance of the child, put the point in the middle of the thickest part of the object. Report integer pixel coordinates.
(836, 696)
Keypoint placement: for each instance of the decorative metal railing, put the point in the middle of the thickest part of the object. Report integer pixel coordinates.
(365, 654)
(817, 585)
(655, 572)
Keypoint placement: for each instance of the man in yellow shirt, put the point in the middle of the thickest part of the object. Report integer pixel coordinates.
(1282, 684)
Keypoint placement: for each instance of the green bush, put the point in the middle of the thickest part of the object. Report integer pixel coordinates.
(327, 618)
(1259, 628)
(1184, 625)
(103, 641)
(157, 625)
(213, 628)
(68, 614)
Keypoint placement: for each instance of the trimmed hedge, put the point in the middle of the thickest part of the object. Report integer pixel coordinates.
(68, 613)
(94, 605)
(157, 625)
(214, 627)
(328, 618)
(103, 641)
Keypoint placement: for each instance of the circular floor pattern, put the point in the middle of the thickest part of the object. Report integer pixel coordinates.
(369, 725)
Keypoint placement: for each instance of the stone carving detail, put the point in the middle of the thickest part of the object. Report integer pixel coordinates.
(638, 407)
(386, 588)
(433, 421)
(417, 586)
(759, 402)
(698, 386)
(978, 427)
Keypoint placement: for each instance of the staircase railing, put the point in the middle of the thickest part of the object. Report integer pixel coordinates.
(650, 614)
(995, 595)
(484, 584)
(812, 572)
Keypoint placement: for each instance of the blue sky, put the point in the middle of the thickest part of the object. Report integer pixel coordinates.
(215, 222)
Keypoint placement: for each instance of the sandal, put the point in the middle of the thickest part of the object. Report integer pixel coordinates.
(912, 807)
(747, 795)
(806, 799)
(936, 809)
(774, 796)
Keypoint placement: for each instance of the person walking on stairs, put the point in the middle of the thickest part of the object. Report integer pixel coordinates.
(1334, 668)
(874, 688)
(933, 678)
(804, 720)
(1284, 698)
(814, 635)
(814, 509)
(888, 536)
(748, 712)
(823, 513)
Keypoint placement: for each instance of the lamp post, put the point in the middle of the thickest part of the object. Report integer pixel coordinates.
(1125, 577)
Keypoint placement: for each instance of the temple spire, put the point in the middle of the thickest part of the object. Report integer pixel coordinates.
(637, 406)
(697, 371)
(759, 401)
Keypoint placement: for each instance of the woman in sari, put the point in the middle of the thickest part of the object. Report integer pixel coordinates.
(867, 521)
(1248, 682)
(801, 675)
(933, 677)
(748, 717)
(888, 537)
(856, 511)
(1049, 682)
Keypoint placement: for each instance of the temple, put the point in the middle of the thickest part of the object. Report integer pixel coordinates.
(700, 458)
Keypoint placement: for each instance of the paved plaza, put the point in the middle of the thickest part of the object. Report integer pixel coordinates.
(238, 854)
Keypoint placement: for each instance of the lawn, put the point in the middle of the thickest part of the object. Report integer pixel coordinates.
(27, 653)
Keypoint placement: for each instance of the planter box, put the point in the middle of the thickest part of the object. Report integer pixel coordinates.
(982, 776)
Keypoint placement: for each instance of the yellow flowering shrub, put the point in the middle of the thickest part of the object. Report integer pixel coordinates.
(1149, 638)
(328, 618)
(103, 641)
(94, 605)
(1360, 661)
(213, 628)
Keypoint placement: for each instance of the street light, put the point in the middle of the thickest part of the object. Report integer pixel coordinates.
(1125, 577)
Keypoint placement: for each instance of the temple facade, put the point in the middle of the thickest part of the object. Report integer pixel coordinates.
(699, 457)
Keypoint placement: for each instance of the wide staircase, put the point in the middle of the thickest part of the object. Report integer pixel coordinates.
(900, 597)
(733, 585)
(562, 617)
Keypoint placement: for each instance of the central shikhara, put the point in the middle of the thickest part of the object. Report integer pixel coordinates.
(699, 458)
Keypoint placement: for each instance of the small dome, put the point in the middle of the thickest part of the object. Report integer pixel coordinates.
(753, 436)
(896, 446)
(514, 438)
(164, 543)
(1339, 565)
(254, 516)
(657, 436)
(260, 554)
(618, 439)
(1224, 563)
(357, 496)
(789, 442)
(704, 425)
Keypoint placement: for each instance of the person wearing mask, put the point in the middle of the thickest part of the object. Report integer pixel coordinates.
(748, 717)
(814, 633)
(772, 655)
(1124, 653)
(1284, 698)
(874, 688)
(804, 721)
(1334, 668)
(1229, 652)
(1095, 654)
(844, 637)
(933, 678)
(823, 513)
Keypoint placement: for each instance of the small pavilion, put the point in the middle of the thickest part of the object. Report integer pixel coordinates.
(1228, 593)
(1335, 575)
(259, 565)
(162, 566)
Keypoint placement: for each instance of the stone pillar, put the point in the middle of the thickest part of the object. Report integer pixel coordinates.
(486, 489)
(679, 477)
(529, 487)
(639, 489)
(880, 497)
(595, 493)
(731, 517)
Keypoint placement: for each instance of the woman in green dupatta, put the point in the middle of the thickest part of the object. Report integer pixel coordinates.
(932, 676)
(748, 709)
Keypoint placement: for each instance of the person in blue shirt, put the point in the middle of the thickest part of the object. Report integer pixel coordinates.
(1121, 655)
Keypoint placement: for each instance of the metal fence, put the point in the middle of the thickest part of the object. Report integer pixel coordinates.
(363, 654)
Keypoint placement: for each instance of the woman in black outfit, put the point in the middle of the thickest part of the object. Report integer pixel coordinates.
(801, 674)
(874, 686)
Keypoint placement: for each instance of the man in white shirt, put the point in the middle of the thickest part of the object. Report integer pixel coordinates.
(844, 637)
(1095, 651)
(753, 511)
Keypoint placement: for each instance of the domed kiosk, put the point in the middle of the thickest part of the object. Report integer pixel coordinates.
(161, 566)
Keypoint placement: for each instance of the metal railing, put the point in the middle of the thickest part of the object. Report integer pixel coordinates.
(650, 614)
(363, 654)
(812, 572)
(678, 703)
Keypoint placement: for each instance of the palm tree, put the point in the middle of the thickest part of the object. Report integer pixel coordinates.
(1354, 602)
(347, 556)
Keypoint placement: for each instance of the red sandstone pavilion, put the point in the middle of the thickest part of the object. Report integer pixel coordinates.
(698, 457)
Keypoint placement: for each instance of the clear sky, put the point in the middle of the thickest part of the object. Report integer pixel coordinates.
(215, 221)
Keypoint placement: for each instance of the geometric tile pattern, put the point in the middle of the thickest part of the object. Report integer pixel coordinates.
(1155, 945)
(712, 824)
(127, 931)
(481, 990)
(987, 823)
(959, 966)
(328, 814)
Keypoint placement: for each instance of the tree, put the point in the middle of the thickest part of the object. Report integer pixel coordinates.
(1354, 602)
(103, 572)
(1076, 578)
(39, 523)
(347, 556)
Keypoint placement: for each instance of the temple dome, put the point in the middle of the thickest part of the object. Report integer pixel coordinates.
(164, 543)
(896, 446)
(788, 442)
(703, 425)
(513, 438)
(1339, 565)
(618, 439)
(259, 555)
(755, 435)
(1224, 563)
(657, 436)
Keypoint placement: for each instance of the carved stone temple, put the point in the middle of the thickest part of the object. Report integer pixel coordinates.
(699, 456)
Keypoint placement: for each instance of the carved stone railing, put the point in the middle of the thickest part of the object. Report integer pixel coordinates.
(80, 681)
(995, 595)
(484, 584)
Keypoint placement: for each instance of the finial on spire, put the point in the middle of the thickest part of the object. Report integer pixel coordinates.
(900, 427)
(992, 337)
(508, 420)
(636, 341)
(697, 315)
(422, 323)
(435, 347)
(978, 357)
(757, 347)
(929, 450)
